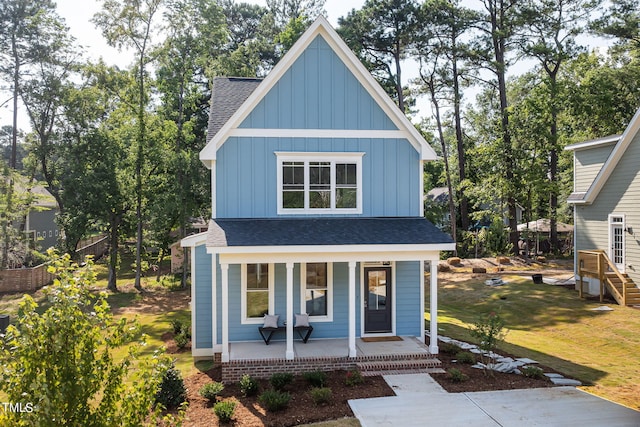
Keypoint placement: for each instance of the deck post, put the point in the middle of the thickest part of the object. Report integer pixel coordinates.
(352, 309)
(289, 354)
(433, 307)
(422, 326)
(601, 277)
(224, 267)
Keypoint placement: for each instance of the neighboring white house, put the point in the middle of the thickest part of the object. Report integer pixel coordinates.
(606, 199)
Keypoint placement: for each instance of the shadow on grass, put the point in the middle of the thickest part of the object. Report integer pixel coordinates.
(523, 305)
(586, 374)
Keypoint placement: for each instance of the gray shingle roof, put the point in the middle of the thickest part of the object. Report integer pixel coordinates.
(227, 95)
(323, 231)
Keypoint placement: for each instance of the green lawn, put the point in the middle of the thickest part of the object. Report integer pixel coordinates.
(554, 326)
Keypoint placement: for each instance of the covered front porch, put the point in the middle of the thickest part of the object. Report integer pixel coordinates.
(331, 348)
(406, 355)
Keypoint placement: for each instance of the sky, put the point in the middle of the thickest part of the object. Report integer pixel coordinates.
(78, 13)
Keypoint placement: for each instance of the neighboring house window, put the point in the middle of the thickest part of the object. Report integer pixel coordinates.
(257, 292)
(317, 290)
(319, 182)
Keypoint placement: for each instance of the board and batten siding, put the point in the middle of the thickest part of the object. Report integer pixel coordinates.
(588, 163)
(202, 299)
(246, 175)
(619, 195)
(408, 298)
(318, 92)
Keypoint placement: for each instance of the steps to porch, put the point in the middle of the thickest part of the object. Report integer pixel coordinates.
(597, 264)
(407, 364)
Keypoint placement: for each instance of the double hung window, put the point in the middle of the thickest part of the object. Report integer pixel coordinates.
(319, 183)
(257, 292)
(317, 289)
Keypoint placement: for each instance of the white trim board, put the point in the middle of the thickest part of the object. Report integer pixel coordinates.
(612, 161)
(320, 27)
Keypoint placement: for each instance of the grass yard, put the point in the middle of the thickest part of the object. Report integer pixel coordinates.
(552, 325)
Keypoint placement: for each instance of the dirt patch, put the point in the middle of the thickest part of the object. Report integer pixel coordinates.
(301, 409)
(516, 266)
(153, 300)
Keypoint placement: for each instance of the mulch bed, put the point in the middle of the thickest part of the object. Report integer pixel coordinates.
(301, 409)
(478, 380)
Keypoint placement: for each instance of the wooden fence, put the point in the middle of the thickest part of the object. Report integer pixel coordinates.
(30, 279)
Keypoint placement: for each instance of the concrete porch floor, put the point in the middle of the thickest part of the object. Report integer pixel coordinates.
(258, 350)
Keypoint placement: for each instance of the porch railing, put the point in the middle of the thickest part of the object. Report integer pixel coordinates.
(597, 264)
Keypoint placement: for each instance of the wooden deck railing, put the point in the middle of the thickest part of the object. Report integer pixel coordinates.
(596, 264)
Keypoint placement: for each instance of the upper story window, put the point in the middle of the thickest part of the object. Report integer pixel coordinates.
(311, 183)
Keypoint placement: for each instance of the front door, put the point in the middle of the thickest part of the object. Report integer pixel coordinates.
(616, 241)
(377, 299)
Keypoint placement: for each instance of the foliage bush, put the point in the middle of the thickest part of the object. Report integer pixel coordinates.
(248, 385)
(457, 376)
(274, 400)
(280, 380)
(316, 378)
(172, 392)
(61, 357)
(466, 357)
(532, 372)
(181, 340)
(177, 326)
(489, 330)
(448, 348)
(353, 378)
(224, 410)
(211, 390)
(321, 395)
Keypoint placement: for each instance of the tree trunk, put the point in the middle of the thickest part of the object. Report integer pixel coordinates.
(396, 56)
(462, 160)
(139, 161)
(452, 207)
(114, 225)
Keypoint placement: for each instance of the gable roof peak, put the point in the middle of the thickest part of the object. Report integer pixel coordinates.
(320, 27)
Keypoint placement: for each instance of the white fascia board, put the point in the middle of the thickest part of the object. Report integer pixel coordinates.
(194, 240)
(321, 27)
(615, 156)
(592, 143)
(281, 254)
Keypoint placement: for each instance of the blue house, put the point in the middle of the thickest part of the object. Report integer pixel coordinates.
(317, 208)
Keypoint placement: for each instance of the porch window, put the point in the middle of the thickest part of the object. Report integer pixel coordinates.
(257, 292)
(317, 298)
(319, 182)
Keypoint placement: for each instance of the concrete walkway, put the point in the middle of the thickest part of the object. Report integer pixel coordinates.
(420, 401)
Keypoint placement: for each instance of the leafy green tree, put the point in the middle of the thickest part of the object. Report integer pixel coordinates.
(381, 34)
(130, 24)
(549, 36)
(59, 359)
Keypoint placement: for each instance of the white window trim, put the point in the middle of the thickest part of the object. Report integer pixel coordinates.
(331, 157)
(244, 320)
(303, 292)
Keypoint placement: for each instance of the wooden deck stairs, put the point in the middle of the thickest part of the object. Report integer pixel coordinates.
(598, 265)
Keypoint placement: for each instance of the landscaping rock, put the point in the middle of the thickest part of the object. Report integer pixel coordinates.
(479, 270)
(503, 260)
(565, 381)
(526, 360)
(443, 267)
(454, 261)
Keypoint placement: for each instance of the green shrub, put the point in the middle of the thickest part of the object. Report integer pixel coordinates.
(456, 375)
(489, 330)
(274, 400)
(224, 410)
(211, 390)
(353, 378)
(280, 380)
(321, 395)
(532, 372)
(181, 340)
(448, 348)
(465, 357)
(177, 326)
(316, 378)
(172, 391)
(248, 385)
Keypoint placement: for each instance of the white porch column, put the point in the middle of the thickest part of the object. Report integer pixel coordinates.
(422, 328)
(289, 354)
(433, 309)
(352, 309)
(225, 311)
